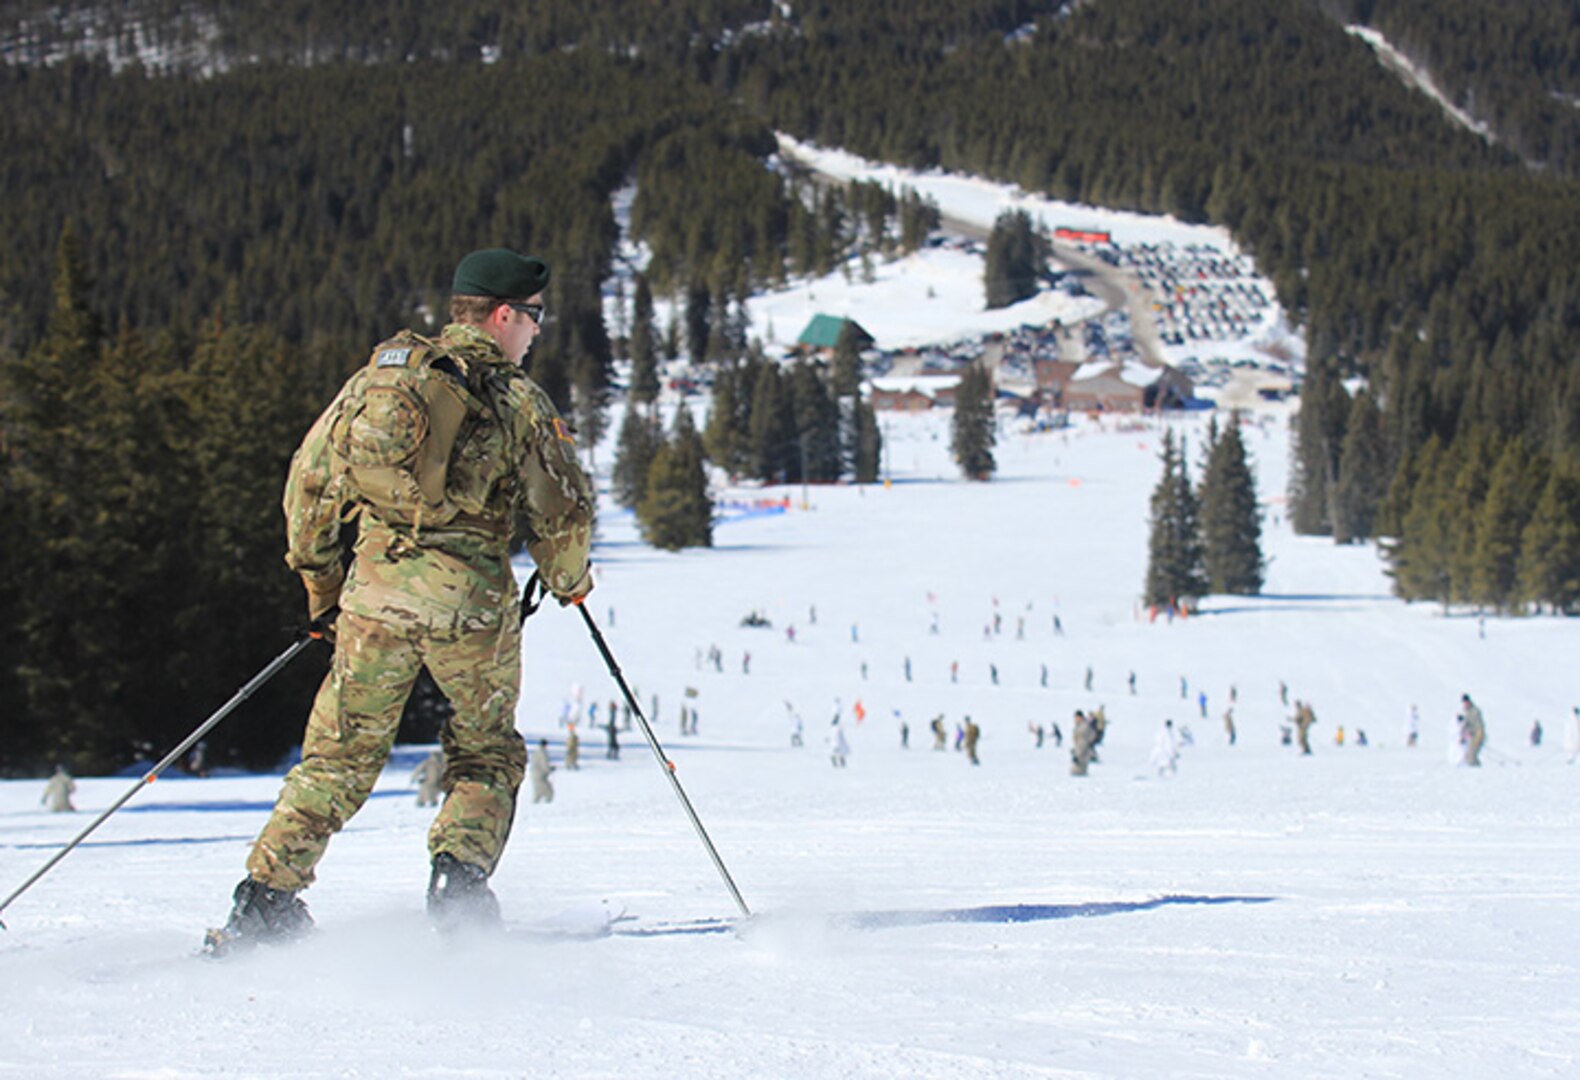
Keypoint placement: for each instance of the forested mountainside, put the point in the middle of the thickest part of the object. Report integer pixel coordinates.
(1515, 66)
(201, 243)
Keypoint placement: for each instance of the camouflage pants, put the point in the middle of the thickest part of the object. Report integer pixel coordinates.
(352, 728)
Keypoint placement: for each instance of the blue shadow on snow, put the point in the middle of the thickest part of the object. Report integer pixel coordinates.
(993, 913)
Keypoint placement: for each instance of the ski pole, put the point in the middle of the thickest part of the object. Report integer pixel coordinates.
(658, 752)
(313, 633)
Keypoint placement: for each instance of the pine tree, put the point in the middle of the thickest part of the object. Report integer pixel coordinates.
(729, 412)
(869, 443)
(1319, 440)
(1420, 557)
(845, 380)
(644, 350)
(1231, 528)
(1478, 453)
(637, 445)
(247, 402)
(772, 450)
(699, 322)
(1512, 495)
(1549, 563)
(677, 511)
(1362, 481)
(847, 361)
(918, 218)
(1017, 257)
(1174, 552)
(66, 589)
(816, 423)
(973, 435)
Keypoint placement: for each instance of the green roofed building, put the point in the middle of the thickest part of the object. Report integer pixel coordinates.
(824, 330)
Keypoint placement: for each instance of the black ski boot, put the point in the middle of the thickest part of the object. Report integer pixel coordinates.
(459, 896)
(261, 914)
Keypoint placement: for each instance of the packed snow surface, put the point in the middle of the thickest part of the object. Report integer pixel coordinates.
(1365, 911)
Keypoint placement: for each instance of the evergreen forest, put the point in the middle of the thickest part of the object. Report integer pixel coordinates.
(214, 210)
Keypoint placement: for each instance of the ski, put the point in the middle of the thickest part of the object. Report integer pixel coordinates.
(583, 922)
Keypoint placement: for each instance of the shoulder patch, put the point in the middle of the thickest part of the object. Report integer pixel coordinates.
(392, 357)
(562, 431)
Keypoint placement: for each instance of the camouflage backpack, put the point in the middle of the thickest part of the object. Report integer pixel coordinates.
(397, 426)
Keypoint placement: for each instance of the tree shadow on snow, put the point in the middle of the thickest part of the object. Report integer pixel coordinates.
(993, 913)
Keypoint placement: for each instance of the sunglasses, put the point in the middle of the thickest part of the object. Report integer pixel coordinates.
(531, 311)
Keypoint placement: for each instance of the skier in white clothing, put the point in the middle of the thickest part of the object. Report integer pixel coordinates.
(1166, 750)
(1457, 740)
(839, 747)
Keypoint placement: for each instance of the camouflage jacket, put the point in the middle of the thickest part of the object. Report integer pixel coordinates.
(517, 461)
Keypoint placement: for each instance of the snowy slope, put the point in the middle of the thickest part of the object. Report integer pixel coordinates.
(1366, 911)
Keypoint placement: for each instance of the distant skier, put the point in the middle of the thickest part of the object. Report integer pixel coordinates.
(1099, 717)
(429, 778)
(1305, 717)
(538, 769)
(1457, 740)
(1228, 724)
(1475, 731)
(612, 748)
(1166, 750)
(1132, 682)
(1536, 733)
(1082, 738)
(1412, 727)
(839, 746)
(58, 790)
(940, 735)
(972, 734)
(1201, 702)
(573, 749)
(1088, 676)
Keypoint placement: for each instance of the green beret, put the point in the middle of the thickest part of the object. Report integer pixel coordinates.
(500, 273)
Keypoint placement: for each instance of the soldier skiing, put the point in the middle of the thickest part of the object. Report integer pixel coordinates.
(437, 447)
(973, 733)
(1304, 718)
(1083, 737)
